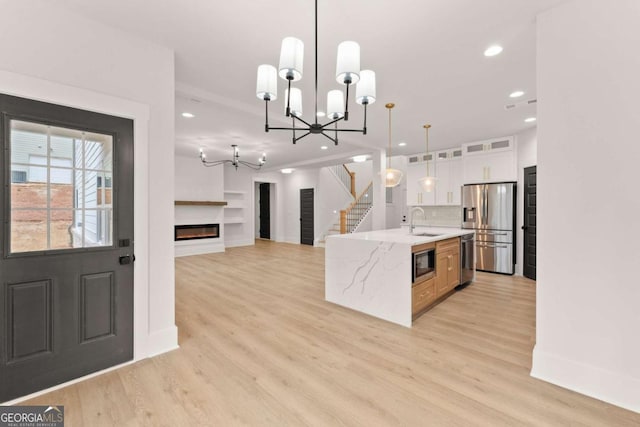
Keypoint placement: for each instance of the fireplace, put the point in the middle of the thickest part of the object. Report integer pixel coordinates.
(196, 231)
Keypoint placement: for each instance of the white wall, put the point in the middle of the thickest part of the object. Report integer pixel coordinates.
(588, 291)
(329, 200)
(526, 143)
(364, 174)
(109, 71)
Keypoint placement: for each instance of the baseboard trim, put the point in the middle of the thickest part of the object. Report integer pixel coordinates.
(162, 341)
(587, 379)
(236, 243)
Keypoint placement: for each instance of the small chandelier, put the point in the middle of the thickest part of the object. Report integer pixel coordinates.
(427, 182)
(348, 72)
(235, 161)
(392, 176)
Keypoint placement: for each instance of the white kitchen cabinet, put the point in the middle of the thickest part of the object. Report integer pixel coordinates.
(416, 170)
(450, 176)
(489, 161)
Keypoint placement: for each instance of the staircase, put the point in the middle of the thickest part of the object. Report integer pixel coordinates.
(352, 216)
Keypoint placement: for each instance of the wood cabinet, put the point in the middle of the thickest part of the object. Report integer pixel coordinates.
(449, 174)
(447, 265)
(489, 161)
(422, 295)
(416, 169)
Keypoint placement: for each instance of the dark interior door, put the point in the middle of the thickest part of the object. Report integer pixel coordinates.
(306, 216)
(529, 227)
(265, 211)
(66, 262)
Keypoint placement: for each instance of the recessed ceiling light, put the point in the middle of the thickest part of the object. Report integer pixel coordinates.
(287, 170)
(530, 119)
(402, 144)
(516, 94)
(324, 147)
(320, 114)
(187, 115)
(360, 159)
(493, 50)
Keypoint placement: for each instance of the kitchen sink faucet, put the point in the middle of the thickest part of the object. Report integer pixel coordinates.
(414, 209)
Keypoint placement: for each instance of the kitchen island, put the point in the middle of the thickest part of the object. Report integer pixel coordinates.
(371, 272)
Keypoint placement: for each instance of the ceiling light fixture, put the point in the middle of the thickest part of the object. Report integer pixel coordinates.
(235, 161)
(324, 147)
(348, 72)
(530, 120)
(493, 50)
(402, 144)
(188, 115)
(360, 159)
(516, 94)
(392, 176)
(286, 170)
(428, 182)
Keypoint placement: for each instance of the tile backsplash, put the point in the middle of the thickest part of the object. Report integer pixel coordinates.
(439, 216)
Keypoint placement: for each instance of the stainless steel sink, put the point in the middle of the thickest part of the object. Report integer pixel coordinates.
(427, 234)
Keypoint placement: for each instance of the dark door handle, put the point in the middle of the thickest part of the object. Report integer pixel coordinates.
(524, 227)
(126, 259)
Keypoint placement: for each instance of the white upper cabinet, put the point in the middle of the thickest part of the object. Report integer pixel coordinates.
(416, 169)
(450, 174)
(489, 161)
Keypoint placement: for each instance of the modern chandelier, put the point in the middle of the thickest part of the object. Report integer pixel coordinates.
(348, 73)
(427, 182)
(235, 161)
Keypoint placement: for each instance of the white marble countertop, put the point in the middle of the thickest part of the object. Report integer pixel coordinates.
(401, 235)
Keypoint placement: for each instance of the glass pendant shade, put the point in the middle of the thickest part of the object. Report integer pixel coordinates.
(366, 88)
(267, 83)
(291, 58)
(392, 177)
(427, 183)
(295, 102)
(348, 64)
(335, 104)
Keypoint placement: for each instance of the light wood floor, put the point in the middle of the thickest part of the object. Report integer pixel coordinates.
(261, 347)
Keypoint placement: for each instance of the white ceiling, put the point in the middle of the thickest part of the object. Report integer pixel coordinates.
(428, 58)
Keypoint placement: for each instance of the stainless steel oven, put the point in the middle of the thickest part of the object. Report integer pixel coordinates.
(424, 265)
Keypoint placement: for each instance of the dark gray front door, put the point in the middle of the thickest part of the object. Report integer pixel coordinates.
(66, 262)
(529, 227)
(306, 216)
(265, 211)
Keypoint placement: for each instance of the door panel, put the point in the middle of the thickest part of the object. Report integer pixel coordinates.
(529, 227)
(306, 216)
(66, 300)
(265, 211)
(499, 206)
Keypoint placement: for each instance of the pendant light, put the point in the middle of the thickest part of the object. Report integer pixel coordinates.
(392, 176)
(428, 182)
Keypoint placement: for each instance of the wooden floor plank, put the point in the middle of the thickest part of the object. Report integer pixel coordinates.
(260, 346)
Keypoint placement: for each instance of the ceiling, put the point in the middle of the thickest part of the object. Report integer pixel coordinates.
(428, 58)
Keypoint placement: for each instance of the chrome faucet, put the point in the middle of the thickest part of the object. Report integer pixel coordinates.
(414, 209)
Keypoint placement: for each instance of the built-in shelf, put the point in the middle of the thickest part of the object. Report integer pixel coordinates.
(199, 203)
(234, 220)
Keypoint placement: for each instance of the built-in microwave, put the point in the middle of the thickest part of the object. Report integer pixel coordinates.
(424, 265)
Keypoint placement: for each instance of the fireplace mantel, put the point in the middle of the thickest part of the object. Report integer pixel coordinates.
(199, 203)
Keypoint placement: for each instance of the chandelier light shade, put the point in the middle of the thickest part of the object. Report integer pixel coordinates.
(235, 161)
(267, 84)
(366, 88)
(348, 63)
(427, 182)
(392, 176)
(335, 104)
(295, 101)
(291, 58)
(290, 69)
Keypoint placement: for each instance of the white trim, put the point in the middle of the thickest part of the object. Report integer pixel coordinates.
(587, 379)
(198, 247)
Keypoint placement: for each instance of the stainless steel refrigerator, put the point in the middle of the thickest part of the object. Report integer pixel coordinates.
(490, 210)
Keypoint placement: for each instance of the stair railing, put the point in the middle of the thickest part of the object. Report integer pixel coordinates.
(351, 217)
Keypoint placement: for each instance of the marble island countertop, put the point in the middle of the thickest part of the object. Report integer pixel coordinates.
(402, 235)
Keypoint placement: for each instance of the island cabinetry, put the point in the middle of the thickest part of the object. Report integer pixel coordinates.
(422, 295)
(447, 265)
